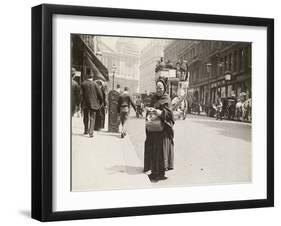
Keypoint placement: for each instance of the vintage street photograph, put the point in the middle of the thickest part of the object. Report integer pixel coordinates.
(157, 112)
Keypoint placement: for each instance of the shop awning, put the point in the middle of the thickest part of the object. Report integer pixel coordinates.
(93, 62)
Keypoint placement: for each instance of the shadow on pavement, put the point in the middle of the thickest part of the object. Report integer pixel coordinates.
(104, 133)
(131, 170)
(234, 130)
(99, 133)
(79, 134)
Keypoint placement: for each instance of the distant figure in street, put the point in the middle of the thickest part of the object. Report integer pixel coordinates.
(75, 93)
(219, 109)
(246, 110)
(118, 89)
(124, 104)
(238, 110)
(159, 143)
(139, 107)
(91, 102)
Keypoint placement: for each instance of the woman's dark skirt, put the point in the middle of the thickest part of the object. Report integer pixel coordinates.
(158, 153)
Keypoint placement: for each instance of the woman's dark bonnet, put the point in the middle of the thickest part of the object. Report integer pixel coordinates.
(164, 84)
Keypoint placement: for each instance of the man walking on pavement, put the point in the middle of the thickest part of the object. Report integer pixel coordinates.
(75, 93)
(124, 104)
(91, 102)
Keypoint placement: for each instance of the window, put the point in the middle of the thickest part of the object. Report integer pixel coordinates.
(214, 68)
(221, 66)
(250, 57)
(246, 59)
(225, 63)
(230, 62)
(241, 54)
(212, 46)
(234, 61)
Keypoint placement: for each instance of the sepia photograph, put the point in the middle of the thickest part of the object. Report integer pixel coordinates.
(140, 112)
(159, 112)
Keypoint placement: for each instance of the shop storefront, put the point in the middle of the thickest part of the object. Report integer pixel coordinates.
(84, 58)
(225, 88)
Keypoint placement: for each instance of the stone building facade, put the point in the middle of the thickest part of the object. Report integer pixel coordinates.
(148, 59)
(216, 68)
(125, 58)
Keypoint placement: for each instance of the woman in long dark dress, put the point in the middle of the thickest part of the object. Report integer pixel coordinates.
(159, 146)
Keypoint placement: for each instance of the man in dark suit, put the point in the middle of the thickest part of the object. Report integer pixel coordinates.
(75, 93)
(124, 104)
(91, 102)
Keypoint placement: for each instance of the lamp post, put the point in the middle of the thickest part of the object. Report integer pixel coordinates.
(113, 75)
(209, 68)
(209, 89)
(227, 78)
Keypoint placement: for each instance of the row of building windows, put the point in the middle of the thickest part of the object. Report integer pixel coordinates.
(235, 61)
(202, 49)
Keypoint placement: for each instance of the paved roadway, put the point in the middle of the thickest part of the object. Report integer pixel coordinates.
(206, 151)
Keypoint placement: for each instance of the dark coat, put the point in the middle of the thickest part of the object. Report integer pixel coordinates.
(75, 93)
(100, 116)
(159, 146)
(125, 100)
(91, 94)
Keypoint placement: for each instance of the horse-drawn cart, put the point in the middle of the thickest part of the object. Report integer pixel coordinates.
(176, 78)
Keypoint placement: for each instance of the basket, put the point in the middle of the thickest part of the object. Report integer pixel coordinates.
(153, 123)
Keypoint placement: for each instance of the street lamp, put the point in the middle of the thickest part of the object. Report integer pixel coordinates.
(209, 65)
(113, 69)
(208, 89)
(227, 77)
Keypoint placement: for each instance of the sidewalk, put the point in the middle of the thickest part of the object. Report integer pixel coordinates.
(104, 162)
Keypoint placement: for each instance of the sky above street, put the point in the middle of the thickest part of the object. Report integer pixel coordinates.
(140, 42)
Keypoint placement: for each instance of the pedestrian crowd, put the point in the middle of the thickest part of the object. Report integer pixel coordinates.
(225, 108)
(90, 96)
(231, 109)
(90, 99)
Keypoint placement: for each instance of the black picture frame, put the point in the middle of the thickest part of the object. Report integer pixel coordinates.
(42, 107)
